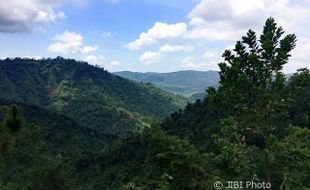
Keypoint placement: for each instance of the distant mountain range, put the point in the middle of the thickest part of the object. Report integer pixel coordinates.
(191, 84)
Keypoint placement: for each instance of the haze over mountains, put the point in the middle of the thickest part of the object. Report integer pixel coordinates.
(191, 84)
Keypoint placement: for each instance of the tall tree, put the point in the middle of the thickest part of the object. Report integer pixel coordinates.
(253, 96)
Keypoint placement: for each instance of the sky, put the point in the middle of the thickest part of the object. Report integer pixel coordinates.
(146, 35)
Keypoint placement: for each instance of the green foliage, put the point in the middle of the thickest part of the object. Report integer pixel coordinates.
(27, 165)
(255, 126)
(89, 95)
(291, 157)
(246, 76)
(14, 120)
(299, 87)
(247, 122)
(153, 160)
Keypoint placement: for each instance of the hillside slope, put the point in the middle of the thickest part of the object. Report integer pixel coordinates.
(89, 95)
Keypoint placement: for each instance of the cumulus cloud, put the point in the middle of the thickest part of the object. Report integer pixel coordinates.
(22, 16)
(70, 43)
(160, 31)
(68, 37)
(175, 48)
(223, 22)
(150, 57)
(229, 19)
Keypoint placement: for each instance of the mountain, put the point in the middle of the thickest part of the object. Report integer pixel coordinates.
(185, 83)
(89, 95)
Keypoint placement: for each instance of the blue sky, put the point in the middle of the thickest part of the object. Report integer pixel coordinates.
(145, 35)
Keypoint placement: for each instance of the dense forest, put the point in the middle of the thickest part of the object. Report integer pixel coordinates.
(253, 127)
(87, 94)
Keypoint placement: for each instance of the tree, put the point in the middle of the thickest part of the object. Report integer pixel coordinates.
(246, 76)
(172, 163)
(254, 98)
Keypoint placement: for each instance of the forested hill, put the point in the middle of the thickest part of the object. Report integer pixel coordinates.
(89, 95)
(182, 82)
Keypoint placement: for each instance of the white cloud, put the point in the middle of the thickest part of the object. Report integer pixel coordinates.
(95, 60)
(160, 31)
(89, 49)
(229, 47)
(150, 57)
(218, 31)
(212, 55)
(300, 56)
(68, 37)
(226, 21)
(114, 64)
(175, 48)
(65, 48)
(70, 43)
(214, 20)
(22, 16)
(189, 63)
(209, 62)
(100, 61)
